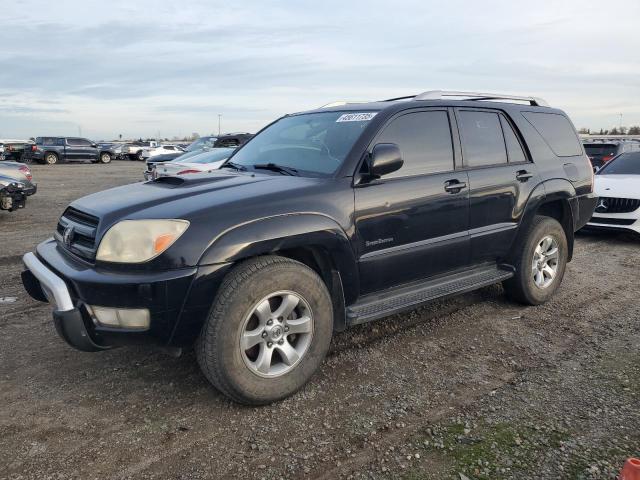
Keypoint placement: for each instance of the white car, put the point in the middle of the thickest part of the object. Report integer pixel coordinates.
(617, 185)
(161, 150)
(203, 162)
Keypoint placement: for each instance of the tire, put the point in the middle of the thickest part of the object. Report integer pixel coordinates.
(533, 282)
(139, 156)
(50, 158)
(238, 372)
(105, 157)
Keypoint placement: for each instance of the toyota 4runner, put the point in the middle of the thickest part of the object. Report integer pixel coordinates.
(325, 219)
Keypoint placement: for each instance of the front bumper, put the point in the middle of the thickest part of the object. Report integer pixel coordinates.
(178, 300)
(629, 222)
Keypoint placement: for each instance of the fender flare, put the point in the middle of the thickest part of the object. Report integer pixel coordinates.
(270, 235)
(549, 191)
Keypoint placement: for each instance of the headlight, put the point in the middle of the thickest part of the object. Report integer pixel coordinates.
(137, 241)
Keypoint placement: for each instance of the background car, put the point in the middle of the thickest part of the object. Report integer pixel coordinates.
(617, 185)
(161, 150)
(11, 149)
(600, 152)
(203, 162)
(19, 172)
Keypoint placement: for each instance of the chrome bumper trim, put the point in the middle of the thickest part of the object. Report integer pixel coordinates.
(51, 283)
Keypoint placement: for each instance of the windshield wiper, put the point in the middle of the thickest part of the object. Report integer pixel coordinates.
(274, 167)
(235, 166)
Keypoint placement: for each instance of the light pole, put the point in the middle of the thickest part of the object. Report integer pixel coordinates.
(219, 119)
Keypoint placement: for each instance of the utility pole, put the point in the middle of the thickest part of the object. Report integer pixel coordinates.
(219, 118)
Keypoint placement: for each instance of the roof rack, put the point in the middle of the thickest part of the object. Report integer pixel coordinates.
(440, 94)
(338, 104)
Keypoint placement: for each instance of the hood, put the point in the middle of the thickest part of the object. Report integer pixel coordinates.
(175, 167)
(186, 197)
(617, 186)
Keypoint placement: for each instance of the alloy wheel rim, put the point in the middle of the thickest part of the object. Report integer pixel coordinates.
(544, 266)
(276, 334)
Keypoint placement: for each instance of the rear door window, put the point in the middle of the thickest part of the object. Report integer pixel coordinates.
(557, 132)
(425, 142)
(482, 138)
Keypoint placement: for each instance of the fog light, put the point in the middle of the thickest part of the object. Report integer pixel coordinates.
(122, 317)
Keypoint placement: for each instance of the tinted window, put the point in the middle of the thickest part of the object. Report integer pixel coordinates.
(45, 141)
(78, 142)
(424, 139)
(625, 164)
(514, 148)
(482, 139)
(557, 131)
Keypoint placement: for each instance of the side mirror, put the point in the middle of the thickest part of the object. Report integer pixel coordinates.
(385, 159)
(94, 145)
(596, 169)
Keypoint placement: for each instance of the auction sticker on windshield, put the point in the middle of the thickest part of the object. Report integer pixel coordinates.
(356, 117)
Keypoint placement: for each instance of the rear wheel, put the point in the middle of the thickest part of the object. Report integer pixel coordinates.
(139, 156)
(540, 260)
(268, 330)
(50, 158)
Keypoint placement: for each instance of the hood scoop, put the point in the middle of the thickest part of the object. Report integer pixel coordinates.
(177, 181)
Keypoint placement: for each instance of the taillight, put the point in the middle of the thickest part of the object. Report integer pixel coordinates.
(606, 158)
(34, 148)
(185, 172)
(27, 173)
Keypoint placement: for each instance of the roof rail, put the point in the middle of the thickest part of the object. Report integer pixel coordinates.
(338, 104)
(440, 94)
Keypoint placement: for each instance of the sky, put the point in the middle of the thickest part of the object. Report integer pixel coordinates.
(146, 68)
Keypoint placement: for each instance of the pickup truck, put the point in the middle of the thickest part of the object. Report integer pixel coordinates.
(136, 150)
(51, 150)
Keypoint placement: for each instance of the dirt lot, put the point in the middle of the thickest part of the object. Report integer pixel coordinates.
(475, 387)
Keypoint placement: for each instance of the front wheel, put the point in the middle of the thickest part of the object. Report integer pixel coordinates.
(105, 157)
(268, 330)
(139, 156)
(540, 259)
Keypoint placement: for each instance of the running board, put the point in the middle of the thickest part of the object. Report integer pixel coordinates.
(378, 305)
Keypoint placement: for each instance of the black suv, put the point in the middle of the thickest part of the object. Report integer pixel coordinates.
(325, 219)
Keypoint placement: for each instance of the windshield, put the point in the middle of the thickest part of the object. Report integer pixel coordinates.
(213, 155)
(316, 142)
(202, 143)
(625, 164)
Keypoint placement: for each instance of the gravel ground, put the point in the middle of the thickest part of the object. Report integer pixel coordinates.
(475, 387)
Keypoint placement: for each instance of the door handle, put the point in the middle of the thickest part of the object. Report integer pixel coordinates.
(454, 186)
(523, 175)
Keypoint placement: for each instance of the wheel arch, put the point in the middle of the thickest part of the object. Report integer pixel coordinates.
(313, 239)
(556, 199)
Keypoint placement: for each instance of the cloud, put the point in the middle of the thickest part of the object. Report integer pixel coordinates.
(136, 68)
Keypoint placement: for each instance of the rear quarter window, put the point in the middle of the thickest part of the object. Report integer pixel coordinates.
(557, 132)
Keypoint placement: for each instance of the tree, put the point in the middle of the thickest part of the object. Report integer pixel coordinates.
(635, 130)
(584, 131)
(195, 136)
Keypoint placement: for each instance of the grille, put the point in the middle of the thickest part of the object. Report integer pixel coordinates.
(76, 232)
(617, 205)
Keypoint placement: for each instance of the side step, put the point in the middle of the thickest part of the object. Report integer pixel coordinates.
(378, 305)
